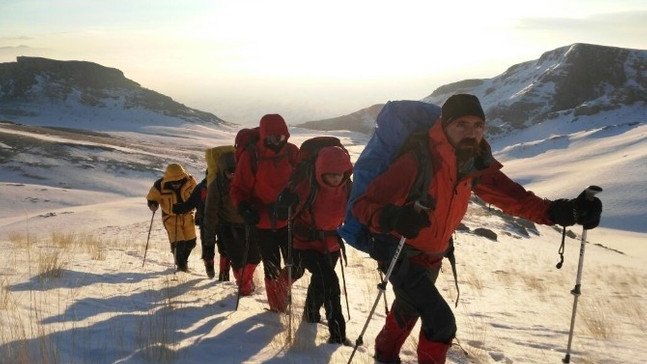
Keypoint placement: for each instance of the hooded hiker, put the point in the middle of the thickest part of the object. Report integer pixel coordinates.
(460, 163)
(319, 207)
(197, 201)
(263, 170)
(223, 221)
(175, 187)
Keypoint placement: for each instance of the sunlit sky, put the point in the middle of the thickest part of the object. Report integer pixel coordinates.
(308, 59)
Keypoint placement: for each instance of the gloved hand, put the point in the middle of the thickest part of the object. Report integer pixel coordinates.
(587, 212)
(286, 199)
(562, 212)
(405, 220)
(579, 210)
(153, 206)
(177, 209)
(249, 213)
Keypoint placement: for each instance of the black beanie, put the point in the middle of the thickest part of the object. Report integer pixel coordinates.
(460, 105)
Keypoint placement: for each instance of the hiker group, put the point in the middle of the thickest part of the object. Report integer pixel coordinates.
(266, 200)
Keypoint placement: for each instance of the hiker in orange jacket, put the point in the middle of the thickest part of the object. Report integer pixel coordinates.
(261, 174)
(175, 187)
(461, 162)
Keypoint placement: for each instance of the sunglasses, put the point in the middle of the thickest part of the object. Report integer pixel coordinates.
(275, 139)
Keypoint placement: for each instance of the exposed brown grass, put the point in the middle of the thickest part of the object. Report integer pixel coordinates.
(596, 318)
(50, 264)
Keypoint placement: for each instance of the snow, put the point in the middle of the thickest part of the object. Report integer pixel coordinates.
(105, 306)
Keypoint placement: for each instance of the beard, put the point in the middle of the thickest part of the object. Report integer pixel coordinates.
(466, 149)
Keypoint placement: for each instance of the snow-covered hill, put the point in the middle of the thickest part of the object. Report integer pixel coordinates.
(75, 289)
(88, 96)
(74, 227)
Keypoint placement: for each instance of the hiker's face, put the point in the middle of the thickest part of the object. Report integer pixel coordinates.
(229, 173)
(465, 133)
(333, 179)
(275, 142)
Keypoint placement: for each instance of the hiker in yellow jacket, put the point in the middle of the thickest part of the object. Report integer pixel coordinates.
(175, 187)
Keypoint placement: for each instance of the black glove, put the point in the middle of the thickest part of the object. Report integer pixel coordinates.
(177, 209)
(286, 199)
(153, 205)
(249, 213)
(578, 210)
(562, 212)
(405, 220)
(587, 212)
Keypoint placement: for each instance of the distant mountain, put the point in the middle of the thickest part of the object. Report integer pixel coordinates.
(85, 95)
(361, 121)
(577, 80)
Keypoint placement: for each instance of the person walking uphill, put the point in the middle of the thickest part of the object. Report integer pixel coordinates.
(315, 238)
(197, 201)
(223, 220)
(460, 162)
(262, 172)
(175, 187)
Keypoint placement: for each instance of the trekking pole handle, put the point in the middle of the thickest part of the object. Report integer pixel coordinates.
(591, 191)
(419, 206)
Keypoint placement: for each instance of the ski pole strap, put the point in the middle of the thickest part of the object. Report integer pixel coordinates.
(561, 249)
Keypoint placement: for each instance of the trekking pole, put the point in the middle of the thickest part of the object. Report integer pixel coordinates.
(589, 194)
(386, 305)
(382, 286)
(148, 238)
(381, 289)
(175, 247)
(242, 271)
(289, 266)
(343, 278)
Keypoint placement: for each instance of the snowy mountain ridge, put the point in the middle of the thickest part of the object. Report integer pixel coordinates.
(85, 95)
(574, 81)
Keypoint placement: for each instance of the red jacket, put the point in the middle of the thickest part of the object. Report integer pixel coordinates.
(450, 193)
(273, 169)
(327, 211)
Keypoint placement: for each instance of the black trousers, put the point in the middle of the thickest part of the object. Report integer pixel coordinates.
(241, 249)
(273, 244)
(416, 296)
(323, 291)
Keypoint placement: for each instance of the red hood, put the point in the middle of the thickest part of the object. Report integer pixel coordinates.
(332, 160)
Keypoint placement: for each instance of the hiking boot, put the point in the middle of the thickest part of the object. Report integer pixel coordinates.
(208, 266)
(311, 317)
(223, 276)
(224, 266)
(342, 341)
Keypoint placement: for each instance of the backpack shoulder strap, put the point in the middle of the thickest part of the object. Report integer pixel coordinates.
(417, 143)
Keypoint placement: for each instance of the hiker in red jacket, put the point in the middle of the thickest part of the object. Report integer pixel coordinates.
(315, 237)
(262, 173)
(461, 162)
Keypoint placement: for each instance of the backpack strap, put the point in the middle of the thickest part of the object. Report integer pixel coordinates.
(417, 143)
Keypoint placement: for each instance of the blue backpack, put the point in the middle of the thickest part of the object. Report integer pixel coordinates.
(396, 125)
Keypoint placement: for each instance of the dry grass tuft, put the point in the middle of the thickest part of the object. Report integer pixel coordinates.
(50, 264)
(5, 294)
(594, 314)
(18, 239)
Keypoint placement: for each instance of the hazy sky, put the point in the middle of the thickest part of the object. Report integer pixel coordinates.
(308, 59)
